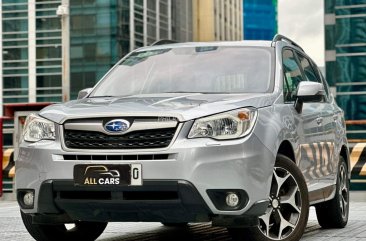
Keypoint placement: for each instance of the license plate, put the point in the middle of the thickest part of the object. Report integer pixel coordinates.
(108, 175)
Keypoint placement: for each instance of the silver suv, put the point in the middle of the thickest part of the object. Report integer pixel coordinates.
(245, 135)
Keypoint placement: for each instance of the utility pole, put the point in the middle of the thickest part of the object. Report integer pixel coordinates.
(64, 13)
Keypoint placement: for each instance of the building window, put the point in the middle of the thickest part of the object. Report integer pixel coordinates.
(48, 52)
(83, 24)
(48, 23)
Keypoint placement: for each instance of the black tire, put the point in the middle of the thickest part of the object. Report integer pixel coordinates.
(180, 225)
(294, 189)
(334, 213)
(86, 231)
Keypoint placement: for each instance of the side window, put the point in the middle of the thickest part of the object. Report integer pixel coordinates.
(312, 73)
(326, 87)
(308, 69)
(292, 75)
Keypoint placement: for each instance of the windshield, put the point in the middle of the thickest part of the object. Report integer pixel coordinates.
(209, 69)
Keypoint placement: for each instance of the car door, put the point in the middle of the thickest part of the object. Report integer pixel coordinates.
(331, 117)
(306, 122)
(324, 146)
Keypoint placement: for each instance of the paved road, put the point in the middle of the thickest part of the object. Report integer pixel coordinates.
(12, 229)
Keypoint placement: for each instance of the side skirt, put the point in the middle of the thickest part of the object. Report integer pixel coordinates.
(322, 195)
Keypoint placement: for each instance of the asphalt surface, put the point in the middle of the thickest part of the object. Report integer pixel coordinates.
(12, 229)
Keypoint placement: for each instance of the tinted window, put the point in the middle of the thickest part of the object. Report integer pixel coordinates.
(312, 73)
(325, 84)
(207, 69)
(292, 75)
(308, 69)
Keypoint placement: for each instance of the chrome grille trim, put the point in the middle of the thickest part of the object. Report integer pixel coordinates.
(137, 125)
(154, 138)
(116, 151)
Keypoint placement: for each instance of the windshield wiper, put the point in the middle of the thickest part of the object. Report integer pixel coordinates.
(180, 92)
(198, 92)
(101, 96)
(188, 92)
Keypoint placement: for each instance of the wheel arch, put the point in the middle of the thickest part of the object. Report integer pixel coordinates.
(287, 150)
(345, 154)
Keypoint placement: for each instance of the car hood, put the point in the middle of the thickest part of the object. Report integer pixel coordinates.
(182, 106)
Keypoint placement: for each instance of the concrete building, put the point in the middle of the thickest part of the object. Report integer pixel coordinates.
(260, 19)
(345, 56)
(217, 20)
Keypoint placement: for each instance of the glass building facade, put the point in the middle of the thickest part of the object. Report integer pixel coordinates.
(14, 51)
(31, 51)
(101, 32)
(48, 52)
(260, 19)
(97, 39)
(345, 55)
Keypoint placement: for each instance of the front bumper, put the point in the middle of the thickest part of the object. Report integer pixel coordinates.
(155, 201)
(61, 201)
(243, 164)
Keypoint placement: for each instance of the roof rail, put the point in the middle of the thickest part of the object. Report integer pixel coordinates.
(279, 37)
(163, 41)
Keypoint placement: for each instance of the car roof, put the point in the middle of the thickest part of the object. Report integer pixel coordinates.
(244, 43)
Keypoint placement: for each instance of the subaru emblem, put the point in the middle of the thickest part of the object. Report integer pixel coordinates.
(115, 126)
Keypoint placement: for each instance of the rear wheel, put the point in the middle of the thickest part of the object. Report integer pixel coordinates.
(288, 211)
(86, 231)
(334, 213)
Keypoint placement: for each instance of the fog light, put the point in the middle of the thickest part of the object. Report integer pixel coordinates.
(232, 199)
(28, 198)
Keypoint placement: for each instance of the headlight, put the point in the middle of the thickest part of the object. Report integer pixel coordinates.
(37, 128)
(228, 125)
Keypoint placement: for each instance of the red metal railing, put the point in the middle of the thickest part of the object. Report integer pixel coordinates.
(356, 122)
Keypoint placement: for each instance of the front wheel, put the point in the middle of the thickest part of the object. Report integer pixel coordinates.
(288, 209)
(86, 231)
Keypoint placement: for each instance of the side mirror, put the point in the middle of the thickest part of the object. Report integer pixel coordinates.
(308, 91)
(83, 93)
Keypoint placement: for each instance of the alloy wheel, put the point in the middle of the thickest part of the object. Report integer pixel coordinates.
(284, 210)
(343, 191)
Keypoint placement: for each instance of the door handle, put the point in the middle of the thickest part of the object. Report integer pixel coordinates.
(319, 120)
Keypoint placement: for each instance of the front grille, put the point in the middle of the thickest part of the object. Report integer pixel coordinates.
(156, 138)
